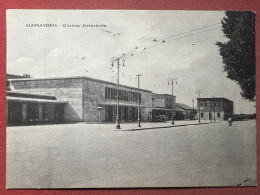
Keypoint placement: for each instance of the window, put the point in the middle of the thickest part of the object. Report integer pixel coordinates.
(214, 104)
(202, 114)
(218, 114)
(201, 104)
(111, 93)
(205, 104)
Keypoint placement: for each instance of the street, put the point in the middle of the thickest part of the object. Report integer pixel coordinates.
(95, 155)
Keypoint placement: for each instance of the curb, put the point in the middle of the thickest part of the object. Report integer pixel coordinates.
(164, 127)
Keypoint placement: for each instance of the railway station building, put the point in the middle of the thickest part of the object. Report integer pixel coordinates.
(75, 99)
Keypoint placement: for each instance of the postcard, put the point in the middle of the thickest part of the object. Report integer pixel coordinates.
(130, 98)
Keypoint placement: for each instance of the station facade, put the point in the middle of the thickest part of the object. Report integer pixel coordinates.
(75, 99)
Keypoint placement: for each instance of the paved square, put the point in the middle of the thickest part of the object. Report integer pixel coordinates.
(95, 155)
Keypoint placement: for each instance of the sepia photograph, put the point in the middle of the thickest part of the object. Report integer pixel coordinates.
(130, 99)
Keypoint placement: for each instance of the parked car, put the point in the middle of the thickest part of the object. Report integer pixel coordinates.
(193, 117)
(161, 118)
(179, 116)
(237, 117)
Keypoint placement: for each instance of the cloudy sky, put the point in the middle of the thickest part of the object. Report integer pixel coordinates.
(159, 45)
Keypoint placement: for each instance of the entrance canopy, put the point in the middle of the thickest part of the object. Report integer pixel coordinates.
(35, 100)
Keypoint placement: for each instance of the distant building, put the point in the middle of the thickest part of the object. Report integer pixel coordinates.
(163, 104)
(184, 109)
(75, 99)
(218, 108)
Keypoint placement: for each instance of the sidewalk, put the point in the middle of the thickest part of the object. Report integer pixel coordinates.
(157, 125)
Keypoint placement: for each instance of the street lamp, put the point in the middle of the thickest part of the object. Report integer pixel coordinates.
(214, 108)
(209, 111)
(139, 125)
(175, 79)
(199, 91)
(119, 60)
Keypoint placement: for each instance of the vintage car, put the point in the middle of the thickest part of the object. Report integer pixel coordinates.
(161, 118)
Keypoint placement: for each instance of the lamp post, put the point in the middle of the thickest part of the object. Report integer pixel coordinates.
(209, 111)
(175, 79)
(138, 75)
(118, 60)
(214, 108)
(199, 91)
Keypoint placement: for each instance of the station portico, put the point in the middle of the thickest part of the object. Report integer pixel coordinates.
(33, 109)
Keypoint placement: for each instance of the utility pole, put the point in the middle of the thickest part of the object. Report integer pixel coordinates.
(138, 75)
(199, 91)
(175, 79)
(118, 59)
(214, 108)
(210, 117)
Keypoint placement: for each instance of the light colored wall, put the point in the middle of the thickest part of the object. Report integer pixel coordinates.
(94, 95)
(206, 116)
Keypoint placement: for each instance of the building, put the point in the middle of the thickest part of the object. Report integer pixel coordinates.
(163, 104)
(215, 108)
(77, 99)
(25, 108)
(183, 110)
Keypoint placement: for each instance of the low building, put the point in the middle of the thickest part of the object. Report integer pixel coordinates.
(163, 104)
(184, 109)
(215, 108)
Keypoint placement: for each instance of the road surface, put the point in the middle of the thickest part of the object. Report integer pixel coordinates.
(95, 155)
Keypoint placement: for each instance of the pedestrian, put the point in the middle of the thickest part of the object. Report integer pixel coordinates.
(230, 121)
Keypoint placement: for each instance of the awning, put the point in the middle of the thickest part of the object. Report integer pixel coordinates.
(18, 99)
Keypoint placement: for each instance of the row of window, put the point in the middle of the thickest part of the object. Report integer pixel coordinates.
(213, 104)
(202, 114)
(111, 93)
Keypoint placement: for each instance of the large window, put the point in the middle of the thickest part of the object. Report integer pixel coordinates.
(111, 93)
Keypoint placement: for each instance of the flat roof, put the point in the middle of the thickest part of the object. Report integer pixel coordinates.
(215, 98)
(74, 77)
(19, 99)
(29, 95)
(14, 75)
(164, 94)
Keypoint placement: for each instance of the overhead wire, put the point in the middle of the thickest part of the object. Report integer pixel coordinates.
(163, 40)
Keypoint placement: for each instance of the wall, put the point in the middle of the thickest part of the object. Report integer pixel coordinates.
(94, 96)
(206, 116)
(158, 100)
(164, 101)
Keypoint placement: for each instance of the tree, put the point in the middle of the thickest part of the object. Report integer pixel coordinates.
(238, 53)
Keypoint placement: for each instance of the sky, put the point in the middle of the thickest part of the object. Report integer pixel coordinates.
(159, 45)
